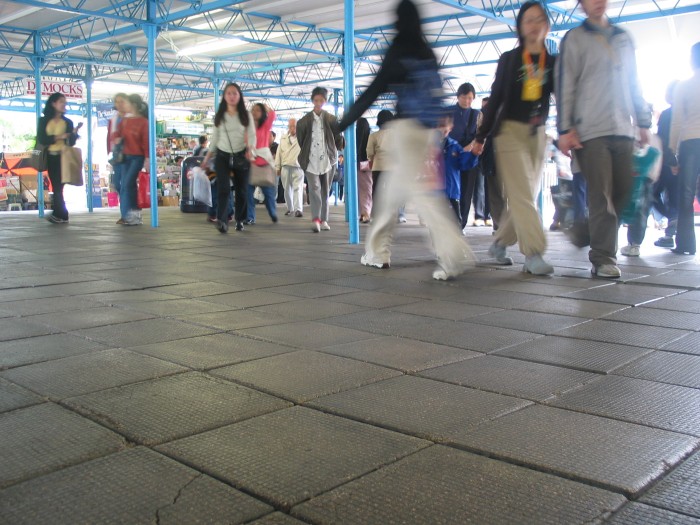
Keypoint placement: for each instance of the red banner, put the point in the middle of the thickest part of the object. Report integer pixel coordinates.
(70, 90)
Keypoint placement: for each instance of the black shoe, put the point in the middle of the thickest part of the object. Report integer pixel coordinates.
(579, 235)
(298, 214)
(680, 251)
(239, 226)
(287, 213)
(248, 222)
(665, 242)
(222, 226)
(274, 218)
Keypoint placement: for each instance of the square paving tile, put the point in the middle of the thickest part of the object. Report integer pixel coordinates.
(639, 514)
(277, 518)
(169, 408)
(211, 351)
(249, 298)
(13, 396)
(307, 309)
(628, 294)
(44, 348)
(579, 354)
(304, 375)
(98, 316)
(406, 355)
(374, 299)
(690, 344)
(575, 307)
(313, 290)
(49, 304)
(658, 405)
(443, 485)
(46, 437)
(493, 298)
(12, 329)
(307, 334)
(144, 332)
(179, 307)
(677, 278)
(198, 289)
(666, 367)
(676, 303)
(445, 310)
(81, 374)
(232, 320)
(134, 486)
(535, 322)
(292, 455)
(658, 317)
(510, 376)
(608, 453)
(623, 333)
(421, 407)
(679, 490)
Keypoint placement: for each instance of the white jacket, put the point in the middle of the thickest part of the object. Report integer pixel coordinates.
(287, 152)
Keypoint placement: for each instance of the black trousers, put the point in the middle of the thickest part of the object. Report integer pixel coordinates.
(223, 186)
(54, 169)
(472, 190)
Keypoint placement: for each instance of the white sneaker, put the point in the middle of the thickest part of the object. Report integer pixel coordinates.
(440, 275)
(402, 219)
(536, 265)
(478, 222)
(324, 226)
(366, 260)
(498, 252)
(316, 226)
(631, 250)
(608, 271)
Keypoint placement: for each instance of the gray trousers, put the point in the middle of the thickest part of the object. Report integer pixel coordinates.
(318, 195)
(606, 163)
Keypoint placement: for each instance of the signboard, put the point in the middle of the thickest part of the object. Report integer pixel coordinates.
(71, 90)
(104, 111)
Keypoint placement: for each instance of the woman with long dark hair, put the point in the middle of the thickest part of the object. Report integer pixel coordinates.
(231, 142)
(55, 131)
(515, 116)
(410, 69)
(264, 117)
(132, 132)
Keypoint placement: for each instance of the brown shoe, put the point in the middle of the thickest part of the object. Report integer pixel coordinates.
(121, 221)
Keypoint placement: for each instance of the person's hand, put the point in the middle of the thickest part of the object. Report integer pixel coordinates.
(477, 148)
(146, 165)
(569, 141)
(468, 147)
(644, 136)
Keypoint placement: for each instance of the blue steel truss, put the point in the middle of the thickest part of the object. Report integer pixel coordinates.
(282, 58)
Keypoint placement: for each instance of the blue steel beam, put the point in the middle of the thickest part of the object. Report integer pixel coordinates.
(351, 200)
(62, 8)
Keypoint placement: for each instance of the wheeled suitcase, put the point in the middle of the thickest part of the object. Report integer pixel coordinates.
(187, 202)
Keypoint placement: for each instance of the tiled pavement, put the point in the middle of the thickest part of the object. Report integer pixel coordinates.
(177, 375)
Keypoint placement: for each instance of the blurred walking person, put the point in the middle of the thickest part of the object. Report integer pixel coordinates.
(410, 69)
(287, 165)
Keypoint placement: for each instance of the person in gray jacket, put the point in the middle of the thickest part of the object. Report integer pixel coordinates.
(319, 141)
(598, 58)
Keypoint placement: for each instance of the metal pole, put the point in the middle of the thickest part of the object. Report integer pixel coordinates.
(351, 200)
(217, 85)
(89, 185)
(151, 31)
(38, 62)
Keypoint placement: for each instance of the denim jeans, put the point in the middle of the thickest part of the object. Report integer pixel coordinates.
(211, 210)
(117, 176)
(638, 227)
(129, 174)
(270, 193)
(579, 195)
(223, 184)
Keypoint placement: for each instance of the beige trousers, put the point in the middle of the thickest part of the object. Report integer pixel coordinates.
(520, 158)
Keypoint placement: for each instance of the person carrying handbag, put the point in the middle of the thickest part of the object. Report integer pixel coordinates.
(231, 142)
(264, 116)
(55, 131)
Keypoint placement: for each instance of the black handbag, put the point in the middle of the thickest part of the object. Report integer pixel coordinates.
(237, 162)
(117, 154)
(40, 157)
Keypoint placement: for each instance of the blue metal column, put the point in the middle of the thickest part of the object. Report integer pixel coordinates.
(38, 61)
(217, 85)
(88, 186)
(351, 201)
(151, 31)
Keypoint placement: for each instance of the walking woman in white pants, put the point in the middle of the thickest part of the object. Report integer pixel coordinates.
(411, 70)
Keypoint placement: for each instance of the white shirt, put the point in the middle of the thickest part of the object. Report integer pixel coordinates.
(231, 134)
(685, 118)
(287, 152)
(319, 163)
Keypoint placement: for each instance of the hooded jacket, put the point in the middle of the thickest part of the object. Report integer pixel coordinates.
(597, 86)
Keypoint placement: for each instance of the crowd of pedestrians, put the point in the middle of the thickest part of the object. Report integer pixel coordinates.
(489, 162)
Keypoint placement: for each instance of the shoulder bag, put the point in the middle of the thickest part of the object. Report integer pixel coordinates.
(237, 162)
(39, 159)
(71, 166)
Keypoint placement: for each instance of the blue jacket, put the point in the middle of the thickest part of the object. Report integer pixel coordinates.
(455, 160)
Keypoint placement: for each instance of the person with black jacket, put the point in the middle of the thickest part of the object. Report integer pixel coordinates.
(55, 131)
(410, 69)
(516, 115)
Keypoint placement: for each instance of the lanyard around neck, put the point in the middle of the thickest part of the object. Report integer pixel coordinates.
(529, 67)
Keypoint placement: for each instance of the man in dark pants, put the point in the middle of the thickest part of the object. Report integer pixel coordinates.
(466, 121)
(494, 187)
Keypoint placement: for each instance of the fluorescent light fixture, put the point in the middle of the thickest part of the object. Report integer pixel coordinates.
(210, 45)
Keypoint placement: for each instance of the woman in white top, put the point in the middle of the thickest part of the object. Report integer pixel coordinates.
(231, 142)
(379, 154)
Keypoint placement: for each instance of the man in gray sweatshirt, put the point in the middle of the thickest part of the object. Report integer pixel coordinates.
(600, 110)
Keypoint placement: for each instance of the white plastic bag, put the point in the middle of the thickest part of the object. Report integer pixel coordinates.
(201, 187)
